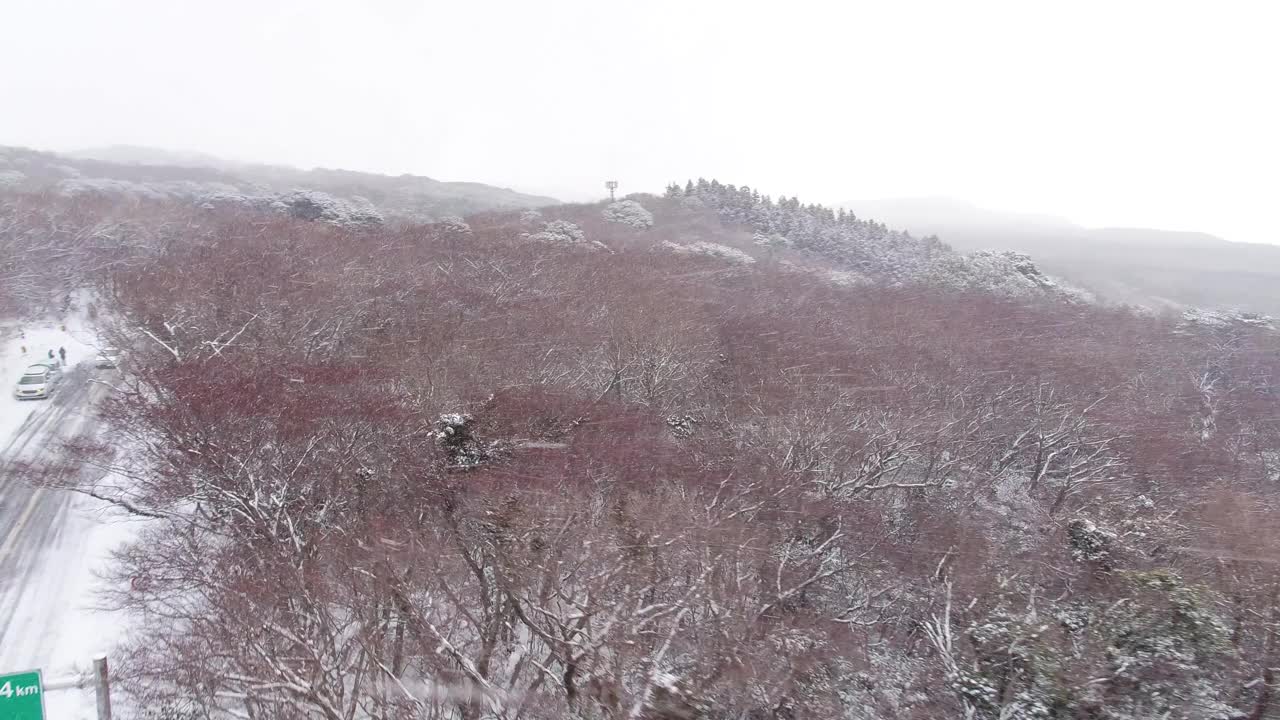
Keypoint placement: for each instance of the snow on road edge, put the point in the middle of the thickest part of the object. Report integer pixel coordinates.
(92, 530)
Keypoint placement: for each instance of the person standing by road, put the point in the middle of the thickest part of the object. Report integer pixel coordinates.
(62, 353)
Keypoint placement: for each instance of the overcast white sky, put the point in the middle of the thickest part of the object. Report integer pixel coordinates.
(1158, 114)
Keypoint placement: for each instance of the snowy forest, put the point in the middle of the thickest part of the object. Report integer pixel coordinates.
(705, 455)
(869, 250)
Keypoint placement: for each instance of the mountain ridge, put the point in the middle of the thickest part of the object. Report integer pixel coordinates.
(151, 172)
(1139, 266)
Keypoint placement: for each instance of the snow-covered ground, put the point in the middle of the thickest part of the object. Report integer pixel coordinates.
(52, 542)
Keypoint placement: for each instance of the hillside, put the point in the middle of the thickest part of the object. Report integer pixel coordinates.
(706, 455)
(854, 251)
(736, 224)
(1153, 268)
(156, 174)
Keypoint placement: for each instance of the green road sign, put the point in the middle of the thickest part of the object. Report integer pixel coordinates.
(21, 696)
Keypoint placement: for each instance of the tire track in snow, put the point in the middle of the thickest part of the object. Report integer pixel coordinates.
(32, 524)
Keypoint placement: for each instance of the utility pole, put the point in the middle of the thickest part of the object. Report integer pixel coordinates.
(612, 185)
(102, 684)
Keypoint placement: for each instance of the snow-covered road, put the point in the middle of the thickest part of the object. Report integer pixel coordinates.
(52, 542)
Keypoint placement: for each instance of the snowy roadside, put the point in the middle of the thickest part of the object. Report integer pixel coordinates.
(53, 543)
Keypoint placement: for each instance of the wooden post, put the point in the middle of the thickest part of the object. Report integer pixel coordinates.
(102, 682)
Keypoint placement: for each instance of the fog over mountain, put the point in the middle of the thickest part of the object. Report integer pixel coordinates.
(993, 101)
(143, 155)
(1141, 266)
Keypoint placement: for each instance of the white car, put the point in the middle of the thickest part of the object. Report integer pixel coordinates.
(37, 382)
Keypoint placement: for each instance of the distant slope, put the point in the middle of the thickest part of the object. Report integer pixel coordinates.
(140, 155)
(1154, 268)
(147, 172)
